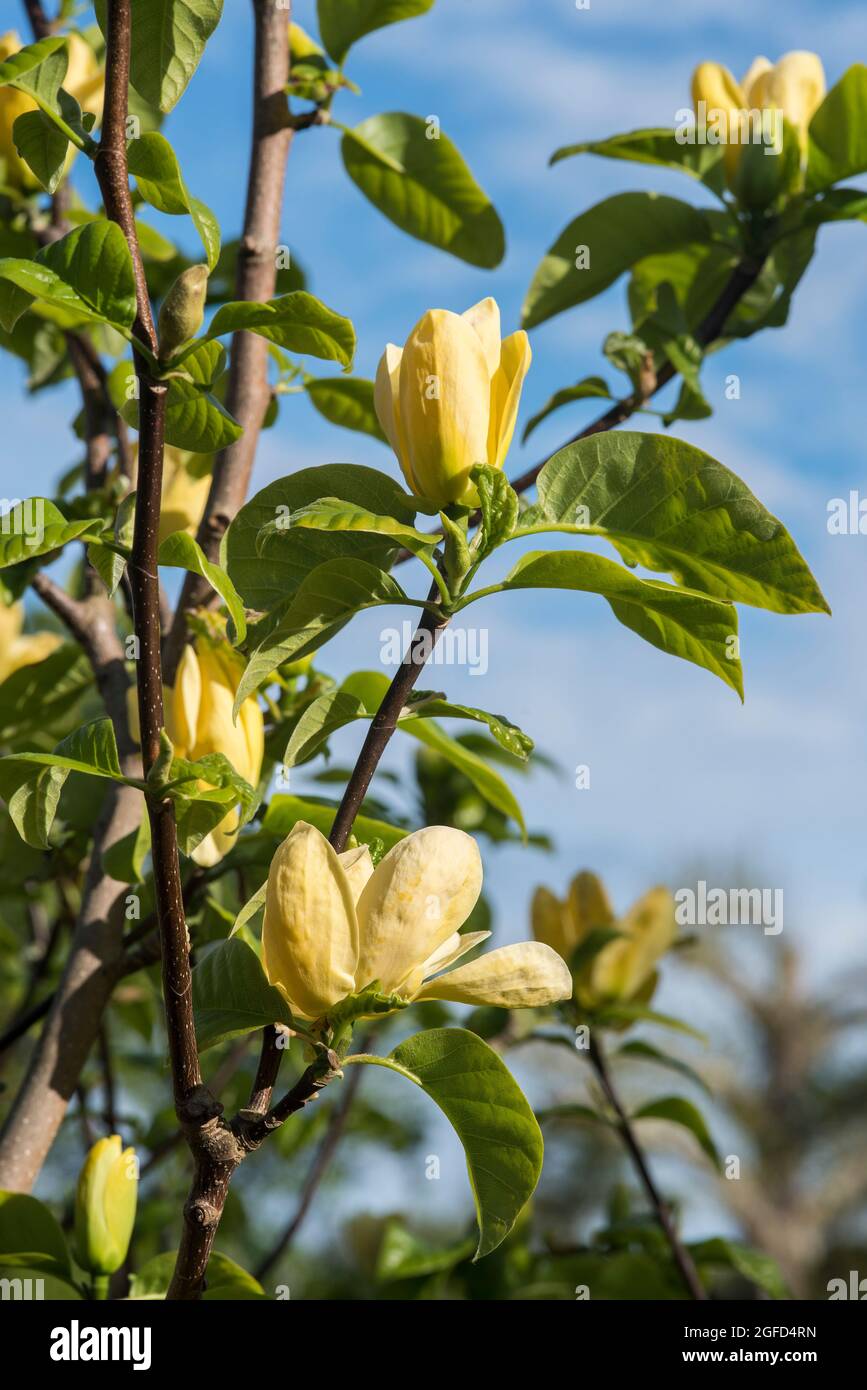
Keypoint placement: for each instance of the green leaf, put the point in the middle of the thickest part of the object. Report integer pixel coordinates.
(346, 401)
(30, 1237)
(231, 995)
(298, 322)
(42, 146)
(285, 811)
(680, 1112)
(343, 22)
(109, 565)
(590, 386)
(125, 859)
(403, 1256)
(678, 621)
(250, 908)
(226, 1280)
(195, 419)
(669, 506)
(27, 59)
(324, 602)
(645, 1051)
(423, 185)
(36, 527)
(837, 146)
(333, 514)
(204, 792)
(36, 696)
(168, 40)
(606, 241)
(498, 503)
(488, 783)
(752, 1265)
(656, 146)
(613, 1015)
(154, 165)
(88, 273)
(181, 551)
(270, 578)
(490, 1115)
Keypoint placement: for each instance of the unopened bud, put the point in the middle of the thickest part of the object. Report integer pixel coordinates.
(183, 310)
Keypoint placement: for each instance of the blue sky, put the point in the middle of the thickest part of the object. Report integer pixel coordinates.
(682, 775)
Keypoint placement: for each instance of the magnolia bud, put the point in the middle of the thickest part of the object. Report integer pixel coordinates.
(105, 1202)
(183, 310)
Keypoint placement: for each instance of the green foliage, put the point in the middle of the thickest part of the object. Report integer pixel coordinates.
(346, 401)
(343, 22)
(421, 183)
(660, 147)
(43, 146)
(490, 1115)
(232, 996)
(87, 274)
(285, 811)
(154, 165)
(195, 419)
(678, 1111)
(298, 322)
(181, 551)
(594, 387)
(168, 40)
(669, 506)
(31, 783)
(838, 132)
(37, 527)
(226, 1279)
(614, 235)
(30, 1237)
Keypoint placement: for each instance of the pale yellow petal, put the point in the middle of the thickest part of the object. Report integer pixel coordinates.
(506, 387)
(485, 319)
(444, 404)
(795, 86)
(588, 905)
(252, 723)
(715, 86)
(386, 403)
(757, 69)
(457, 945)
(649, 929)
(358, 867)
(310, 932)
(525, 976)
(549, 921)
(420, 893)
(182, 710)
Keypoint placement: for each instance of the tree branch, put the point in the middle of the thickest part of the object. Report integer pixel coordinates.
(248, 395)
(680, 1254)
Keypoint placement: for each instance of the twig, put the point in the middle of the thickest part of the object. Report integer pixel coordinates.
(108, 1096)
(680, 1254)
(247, 394)
(319, 1167)
(384, 722)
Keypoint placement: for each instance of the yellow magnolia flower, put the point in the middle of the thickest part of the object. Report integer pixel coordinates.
(183, 495)
(449, 399)
(83, 80)
(18, 649)
(334, 925)
(105, 1202)
(795, 86)
(198, 715)
(625, 968)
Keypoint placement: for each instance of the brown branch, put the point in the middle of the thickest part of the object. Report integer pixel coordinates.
(741, 280)
(680, 1254)
(248, 394)
(41, 25)
(384, 722)
(319, 1167)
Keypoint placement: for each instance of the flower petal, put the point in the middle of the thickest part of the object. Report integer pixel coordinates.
(310, 932)
(524, 976)
(420, 893)
(485, 319)
(182, 713)
(551, 923)
(506, 387)
(757, 69)
(386, 399)
(457, 945)
(649, 929)
(444, 406)
(358, 867)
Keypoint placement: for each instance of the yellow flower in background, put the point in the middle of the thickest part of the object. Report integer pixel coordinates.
(18, 648)
(334, 925)
(449, 399)
(795, 86)
(183, 496)
(198, 712)
(83, 80)
(625, 968)
(105, 1203)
